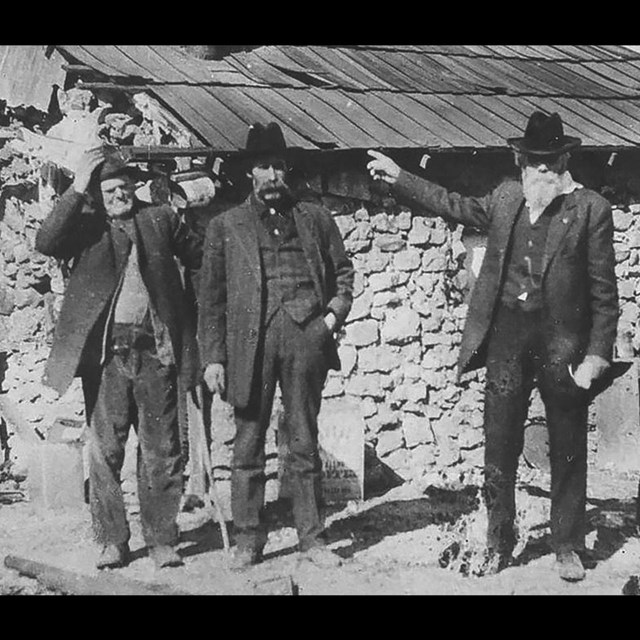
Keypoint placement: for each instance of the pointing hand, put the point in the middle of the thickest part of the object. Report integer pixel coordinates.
(383, 167)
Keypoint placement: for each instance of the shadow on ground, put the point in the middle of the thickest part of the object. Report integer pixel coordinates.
(614, 521)
(362, 530)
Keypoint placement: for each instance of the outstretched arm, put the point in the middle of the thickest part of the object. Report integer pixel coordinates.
(469, 211)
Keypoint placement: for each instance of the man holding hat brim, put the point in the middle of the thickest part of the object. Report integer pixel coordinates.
(543, 311)
(126, 330)
(275, 285)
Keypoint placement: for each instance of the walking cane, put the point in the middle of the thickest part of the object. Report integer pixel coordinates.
(212, 493)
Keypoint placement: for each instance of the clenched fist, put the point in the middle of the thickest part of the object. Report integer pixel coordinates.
(590, 369)
(214, 378)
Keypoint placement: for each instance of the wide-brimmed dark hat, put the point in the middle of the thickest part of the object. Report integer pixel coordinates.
(544, 136)
(265, 141)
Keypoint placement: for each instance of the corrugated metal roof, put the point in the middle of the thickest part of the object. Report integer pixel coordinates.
(33, 87)
(386, 96)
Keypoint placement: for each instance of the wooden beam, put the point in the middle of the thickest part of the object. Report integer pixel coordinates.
(111, 85)
(73, 583)
(164, 152)
(80, 68)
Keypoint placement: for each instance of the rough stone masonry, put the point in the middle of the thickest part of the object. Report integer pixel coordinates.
(398, 348)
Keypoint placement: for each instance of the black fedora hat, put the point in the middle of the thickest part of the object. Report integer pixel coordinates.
(544, 135)
(265, 141)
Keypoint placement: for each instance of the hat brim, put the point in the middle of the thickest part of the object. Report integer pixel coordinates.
(133, 172)
(568, 143)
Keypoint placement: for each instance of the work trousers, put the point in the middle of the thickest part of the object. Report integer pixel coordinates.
(134, 388)
(294, 356)
(526, 348)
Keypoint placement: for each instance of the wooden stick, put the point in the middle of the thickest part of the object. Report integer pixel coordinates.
(205, 460)
(73, 583)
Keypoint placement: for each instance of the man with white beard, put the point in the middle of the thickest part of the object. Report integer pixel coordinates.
(543, 312)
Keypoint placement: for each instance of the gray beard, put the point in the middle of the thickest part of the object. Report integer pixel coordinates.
(540, 190)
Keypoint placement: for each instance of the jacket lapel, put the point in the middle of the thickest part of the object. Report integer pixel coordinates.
(505, 221)
(246, 232)
(558, 227)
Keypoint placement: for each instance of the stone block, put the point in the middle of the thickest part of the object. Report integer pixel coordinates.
(415, 391)
(389, 441)
(358, 284)
(417, 430)
(389, 243)
(399, 461)
(420, 231)
(348, 357)
(361, 306)
(401, 326)
(622, 220)
(434, 260)
(365, 385)
(368, 407)
(346, 224)
(470, 438)
(403, 220)
(387, 299)
(376, 261)
(407, 260)
(438, 236)
(361, 215)
(448, 453)
(384, 419)
(333, 387)
(387, 280)
(422, 458)
(444, 428)
(384, 223)
(378, 358)
(362, 333)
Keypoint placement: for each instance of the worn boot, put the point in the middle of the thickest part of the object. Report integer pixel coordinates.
(165, 556)
(113, 555)
(570, 566)
(321, 557)
(242, 559)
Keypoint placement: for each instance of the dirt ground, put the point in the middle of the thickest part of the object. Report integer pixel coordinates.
(411, 540)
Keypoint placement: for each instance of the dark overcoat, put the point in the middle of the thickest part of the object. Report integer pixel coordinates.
(578, 268)
(81, 233)
(231, 284)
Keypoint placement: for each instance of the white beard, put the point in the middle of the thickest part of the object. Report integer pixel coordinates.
(541, 189)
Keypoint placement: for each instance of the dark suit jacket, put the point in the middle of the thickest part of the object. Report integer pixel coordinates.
(74, 230)
(579, 280)
(230, 297)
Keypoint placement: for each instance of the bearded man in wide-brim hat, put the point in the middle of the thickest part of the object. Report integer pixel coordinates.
(275, 285)
(543, 311)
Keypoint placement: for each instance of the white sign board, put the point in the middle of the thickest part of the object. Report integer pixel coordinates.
(341, 444)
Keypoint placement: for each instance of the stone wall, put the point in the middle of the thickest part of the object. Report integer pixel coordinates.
(399, 346)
